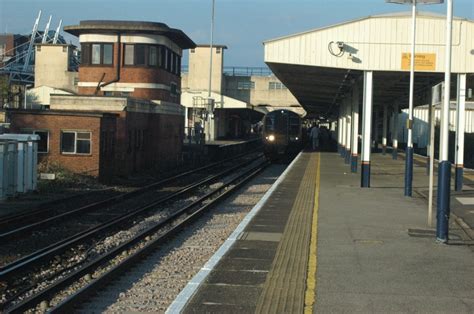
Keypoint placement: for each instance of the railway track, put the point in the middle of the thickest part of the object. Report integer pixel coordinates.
(26, 239)
(84, 256)
(20, 224)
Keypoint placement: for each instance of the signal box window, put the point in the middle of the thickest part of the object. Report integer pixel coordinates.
(129, 55)
(97, 54)
(74, 142)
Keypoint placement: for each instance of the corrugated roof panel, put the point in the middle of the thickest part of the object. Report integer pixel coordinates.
(378, 44)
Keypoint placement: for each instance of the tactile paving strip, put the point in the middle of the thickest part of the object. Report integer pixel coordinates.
(284, 288)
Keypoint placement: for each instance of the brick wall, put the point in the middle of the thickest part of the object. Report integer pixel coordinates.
(85, 164)
(121, 144)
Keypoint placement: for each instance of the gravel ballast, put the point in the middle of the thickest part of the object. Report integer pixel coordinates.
(154, 283)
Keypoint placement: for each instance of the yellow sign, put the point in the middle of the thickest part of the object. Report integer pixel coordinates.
(423, 61)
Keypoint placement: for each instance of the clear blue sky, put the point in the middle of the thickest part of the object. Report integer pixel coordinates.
(242, 25)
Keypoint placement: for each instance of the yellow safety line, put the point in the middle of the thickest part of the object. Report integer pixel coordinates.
(310, 294)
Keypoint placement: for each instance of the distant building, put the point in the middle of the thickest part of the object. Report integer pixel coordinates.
(241, 95)
(121, 113)
(11, 46)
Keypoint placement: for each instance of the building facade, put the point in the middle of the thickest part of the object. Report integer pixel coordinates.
(123, 114)
(136, 59)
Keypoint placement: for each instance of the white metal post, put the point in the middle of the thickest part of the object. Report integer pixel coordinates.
(460, 123)
(429, 155)
(395, 132)
(376, 129)
(384, 131)
(409, 150)
(348, 131)
(46, 31)
(435, 99)
(355, 129)
(343, 135)
(366, 129)
(444, 168)
(209, 120)
(339, 134)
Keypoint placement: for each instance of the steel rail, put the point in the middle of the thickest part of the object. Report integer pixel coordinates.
(113, 200)
(22, 264)
(43, 208)
(67, 305)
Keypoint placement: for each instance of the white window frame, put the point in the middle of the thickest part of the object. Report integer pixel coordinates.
(33, 131)
(75, 142)
(245, 85)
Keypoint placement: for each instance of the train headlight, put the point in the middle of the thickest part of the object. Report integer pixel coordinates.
(271, 138)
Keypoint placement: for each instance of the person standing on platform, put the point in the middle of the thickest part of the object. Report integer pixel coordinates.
(314, 134)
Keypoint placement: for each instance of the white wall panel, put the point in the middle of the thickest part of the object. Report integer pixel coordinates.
(380, 42)
(420, 126)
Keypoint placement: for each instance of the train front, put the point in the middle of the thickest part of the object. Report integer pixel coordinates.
(282, 134)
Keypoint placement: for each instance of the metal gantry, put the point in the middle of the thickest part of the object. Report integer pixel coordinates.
(19, 69)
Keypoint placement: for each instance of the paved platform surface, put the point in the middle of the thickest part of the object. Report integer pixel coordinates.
(375, 250)
(270, 257)
(369, 262)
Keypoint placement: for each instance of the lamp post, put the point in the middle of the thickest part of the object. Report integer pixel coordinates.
(444, 167)
(409, 149)
(210, 100)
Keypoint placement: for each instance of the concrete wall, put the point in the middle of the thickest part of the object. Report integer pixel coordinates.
(52, 67)
(198, 76)
(261, 94)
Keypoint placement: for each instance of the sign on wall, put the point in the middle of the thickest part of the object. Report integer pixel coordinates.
(423, 61)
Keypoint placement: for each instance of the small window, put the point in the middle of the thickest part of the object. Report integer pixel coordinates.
(108, 54)
(179, 66)
(73, 142)
(153, 56)
(174, 89)
(43, 143)
(169, 56)
(276, 85)
(64, 48)
(246, 85)
(2, 49)
(218, 50)
(140, 55)
(160, 56)
(96, 54)
(129, 55)
(86, 54)
(193, 50)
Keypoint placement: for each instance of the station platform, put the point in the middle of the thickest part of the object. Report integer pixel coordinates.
(317, 242)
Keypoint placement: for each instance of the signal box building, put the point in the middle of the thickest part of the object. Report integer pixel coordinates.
(126, 116)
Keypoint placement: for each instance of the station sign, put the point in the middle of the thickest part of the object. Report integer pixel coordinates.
(423, 61)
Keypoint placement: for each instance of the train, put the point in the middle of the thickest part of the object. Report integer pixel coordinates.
(282, 135)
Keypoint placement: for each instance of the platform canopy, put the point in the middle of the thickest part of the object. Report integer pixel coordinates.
(322, 66)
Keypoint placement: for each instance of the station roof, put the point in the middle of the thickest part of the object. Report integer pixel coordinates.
(131, 27)
(322, 66)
